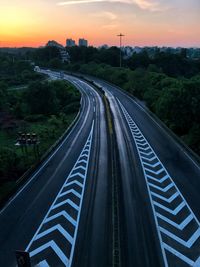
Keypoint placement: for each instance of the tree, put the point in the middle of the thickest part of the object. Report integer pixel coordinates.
(41, 98)
(3, 95)
(8, 162)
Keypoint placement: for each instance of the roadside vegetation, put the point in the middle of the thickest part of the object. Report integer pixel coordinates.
(176, 101)
(39, 106)
(168, 83)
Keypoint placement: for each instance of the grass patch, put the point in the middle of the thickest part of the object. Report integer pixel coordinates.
(48, 131)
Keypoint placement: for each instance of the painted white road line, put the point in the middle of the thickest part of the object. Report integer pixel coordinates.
(64, 214)
(159, 126)
(179, 226)
(156, 177)
(179, 255)
(51, 156)
(174, 211)
(188, 243)
(40, 240)
(168, 200)
(51, 244)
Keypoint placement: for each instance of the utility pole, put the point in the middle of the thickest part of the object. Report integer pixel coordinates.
(120, 45)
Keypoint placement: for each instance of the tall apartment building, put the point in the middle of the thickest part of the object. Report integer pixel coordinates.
(70, 43)
(82, 42)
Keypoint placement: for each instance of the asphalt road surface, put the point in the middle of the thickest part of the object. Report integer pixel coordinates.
(165, 187)
(63, 216)
(43, 218)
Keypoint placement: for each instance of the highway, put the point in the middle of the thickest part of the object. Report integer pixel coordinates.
(118, 191)
(165, 186)
(43, 218)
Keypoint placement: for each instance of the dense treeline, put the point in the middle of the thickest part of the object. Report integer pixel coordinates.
(48, 56)
(173, 65)
(14, 70)
(175, 101)
(168, 83)
(51, 98)
(30, 103)
(44, 107)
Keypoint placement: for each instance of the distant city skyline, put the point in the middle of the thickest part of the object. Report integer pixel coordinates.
(144, 22)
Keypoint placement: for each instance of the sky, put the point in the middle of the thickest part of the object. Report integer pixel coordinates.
(143, 22)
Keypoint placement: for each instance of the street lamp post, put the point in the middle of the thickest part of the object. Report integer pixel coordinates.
(120, 45)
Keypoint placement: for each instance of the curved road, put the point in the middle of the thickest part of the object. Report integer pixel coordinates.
(43, 218)
(63, 216)
(161, 192)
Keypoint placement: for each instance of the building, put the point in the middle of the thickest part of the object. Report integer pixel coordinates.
(70, 43)
(82, 42)
(55, 44)
(64, 56)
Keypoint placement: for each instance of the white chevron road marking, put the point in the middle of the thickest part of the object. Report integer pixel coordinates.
(197, 263)
(85, 153)
(174, 211)
(139, 138)
(165, 189)
(155, 172)
(59, 228)
(151, 165)
(77, 174)
(82, 161)
(61, 213)
(168, 200)
(180, 226)
(51, 244)
(70, 191)
(179, 255)
(80, 167)
(142, 142)
(72, 183)
(143, 146)
(145, 150)
(146, 161)
(157, 179)
(146, 154)
(67, 201)
(149, 159)
(188, 243)
(43, 264)
(41, 236)
(138, 135)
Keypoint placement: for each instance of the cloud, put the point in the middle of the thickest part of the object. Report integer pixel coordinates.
(110, 17)
(150, 5)
(106, 15)
(110, 26)
(74, 2)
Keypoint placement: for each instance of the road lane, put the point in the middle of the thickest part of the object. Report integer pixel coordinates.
(93, 239)
(24, 213)
(138, 234)
(179, 235)
(62, 219)
(159, 211)
(174, 219)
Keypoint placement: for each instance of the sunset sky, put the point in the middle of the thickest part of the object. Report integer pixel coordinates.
(144, 22)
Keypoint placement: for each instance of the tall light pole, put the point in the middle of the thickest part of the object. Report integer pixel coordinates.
(120, 45)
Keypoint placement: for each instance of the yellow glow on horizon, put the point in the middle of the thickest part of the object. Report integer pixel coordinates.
(12, 21)
(33, 23)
